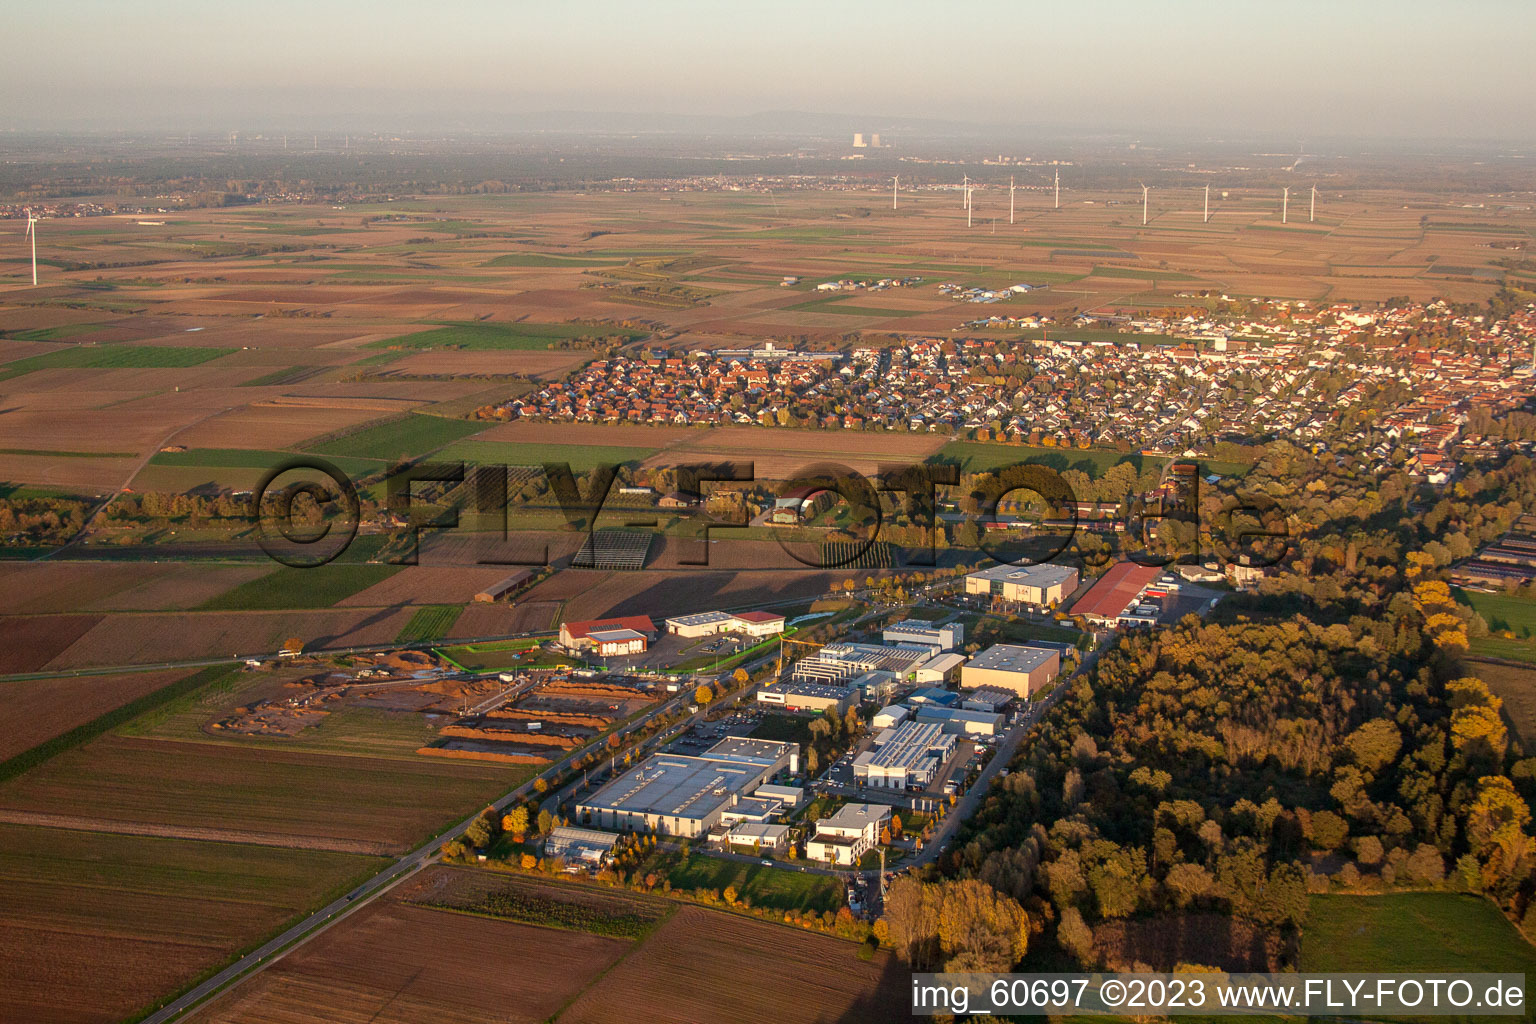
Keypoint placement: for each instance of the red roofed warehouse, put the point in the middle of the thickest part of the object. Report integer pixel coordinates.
(576, 635)
(1116, 593)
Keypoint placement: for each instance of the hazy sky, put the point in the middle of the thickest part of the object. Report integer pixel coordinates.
(1356, 67)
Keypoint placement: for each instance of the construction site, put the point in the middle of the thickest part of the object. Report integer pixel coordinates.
(532, 716)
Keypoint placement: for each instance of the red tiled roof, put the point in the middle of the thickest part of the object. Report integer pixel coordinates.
(759, 617)
(639, 623)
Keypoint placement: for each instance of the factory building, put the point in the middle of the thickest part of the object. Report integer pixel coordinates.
(910, 758)
(1039, 586)
(938, 669)
(1116, 597)
(680, 795)
(960, 721)
(988, 698)
(1019, 668)
(926, 634)
(700, 624)
(588, 847)
(807, 696)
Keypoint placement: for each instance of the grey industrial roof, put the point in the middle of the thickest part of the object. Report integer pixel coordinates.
(1012, 658)
(1032, 575)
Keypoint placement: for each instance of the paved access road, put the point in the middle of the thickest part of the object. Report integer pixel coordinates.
(391, 876)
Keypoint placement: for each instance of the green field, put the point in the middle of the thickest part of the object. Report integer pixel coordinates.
(539, 259)
(1411, 931)
(180, 691)
(219, 872)
(1498, 647)
(285, 375)
(482, 336)
(411, 437)
(429, 623)
(779, 888)
(61, 333)
(551, 905)
(511, 453)
(1503, 612)
(112, 357)
(252, 458)
(488, 657)
(56, 453)
(286, 587)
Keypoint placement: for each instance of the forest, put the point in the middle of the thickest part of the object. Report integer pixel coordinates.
(1324, 734)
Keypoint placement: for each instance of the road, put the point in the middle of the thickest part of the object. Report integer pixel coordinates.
(424, 855)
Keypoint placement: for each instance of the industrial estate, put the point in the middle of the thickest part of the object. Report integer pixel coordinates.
(718, 573)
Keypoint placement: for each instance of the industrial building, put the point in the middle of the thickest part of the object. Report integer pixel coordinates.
(938, 669)
(961, 721)
(680, 795)
(807, 696)
(700, 624)
(910, 758)
(578, 635)
(1040, 586)
(1117, 595)
(789, 796)
(988, 698)
(1017, 667)
(848, 834)
(926, 634)
(761, 838)
(887, 717)
(585, 846)
(616, 643)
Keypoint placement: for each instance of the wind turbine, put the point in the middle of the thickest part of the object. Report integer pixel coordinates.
(1312, 213)
(1207, 218)
(1144, 191)
(1010, 199)
(966, 184)
(1058, 188)
(1285, 204)
(32, 232)
(894, 183)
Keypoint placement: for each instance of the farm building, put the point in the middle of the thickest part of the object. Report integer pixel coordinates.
(848, 834)
(500, 589)
(909, 631)
(910, 759)
(799, 505)
(577, 635)
(803, 696)
(1116, 593)
(1017, 667)
(680, 795)
(1039, 586)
